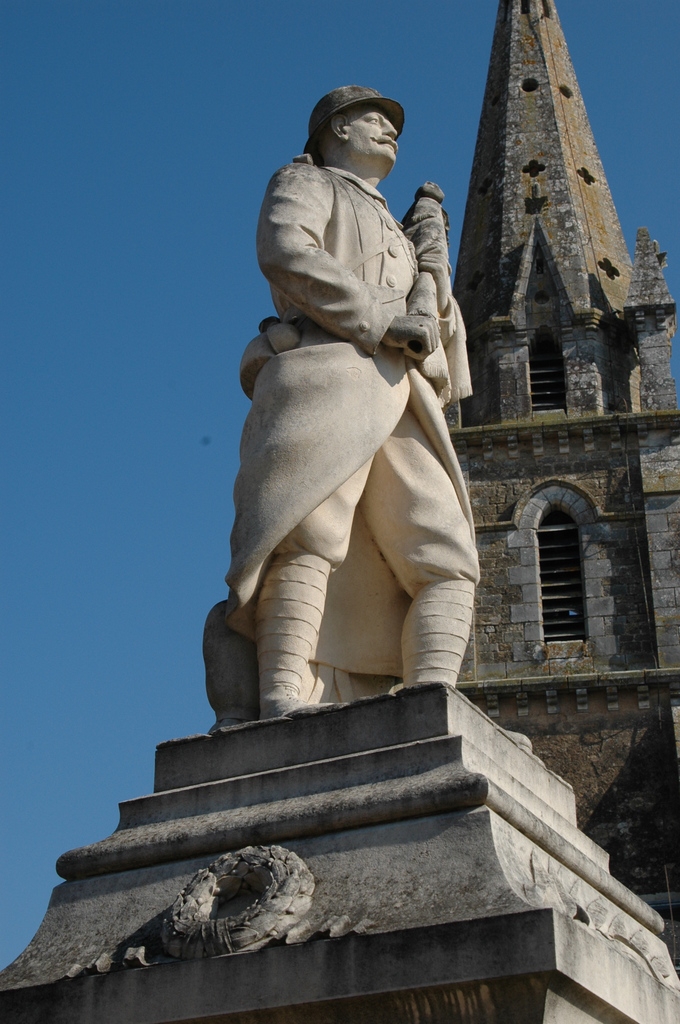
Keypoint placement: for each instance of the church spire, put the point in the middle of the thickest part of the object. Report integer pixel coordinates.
(542, 246)
(536, 158)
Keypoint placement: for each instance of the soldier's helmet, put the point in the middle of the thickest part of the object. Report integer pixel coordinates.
(341, 99)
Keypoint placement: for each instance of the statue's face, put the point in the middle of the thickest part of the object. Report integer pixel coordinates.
(370, 133)
(368, 139)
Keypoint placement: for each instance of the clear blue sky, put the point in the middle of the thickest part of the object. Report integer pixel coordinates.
(138, 137)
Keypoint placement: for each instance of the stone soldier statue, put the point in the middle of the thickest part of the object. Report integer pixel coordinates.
(353, 554)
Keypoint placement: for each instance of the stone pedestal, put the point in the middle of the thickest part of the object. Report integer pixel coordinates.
(399, 859)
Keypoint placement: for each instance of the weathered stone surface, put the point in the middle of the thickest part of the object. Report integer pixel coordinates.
(602, 489)
(326, 735)
(648, 285)
(533, 138)
(622, 764)
(277, 886)
(663, 529)
(358, 789)
(369, 788)
(535, 967)
(542, 258)
(231, 678)
(385, 844)
(652, 319)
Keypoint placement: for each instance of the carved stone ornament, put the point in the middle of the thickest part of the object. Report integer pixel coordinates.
(542, 882)
(282, 886)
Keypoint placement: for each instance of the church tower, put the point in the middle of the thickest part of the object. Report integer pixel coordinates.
(571, 444)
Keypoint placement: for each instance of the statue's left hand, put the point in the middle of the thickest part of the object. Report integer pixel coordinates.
(417, 334)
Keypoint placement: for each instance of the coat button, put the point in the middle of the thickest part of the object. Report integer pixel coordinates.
(363, 326)
(391, 281)
(393, 250)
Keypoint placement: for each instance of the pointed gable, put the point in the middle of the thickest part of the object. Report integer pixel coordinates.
(541, 296)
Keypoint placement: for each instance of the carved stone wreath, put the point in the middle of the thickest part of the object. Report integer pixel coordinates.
(281, 883)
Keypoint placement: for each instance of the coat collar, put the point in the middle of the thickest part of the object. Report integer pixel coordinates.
(360, 183)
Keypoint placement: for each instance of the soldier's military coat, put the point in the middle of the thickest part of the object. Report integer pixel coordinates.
(340, 269)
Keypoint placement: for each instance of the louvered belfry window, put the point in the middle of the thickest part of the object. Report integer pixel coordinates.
(561, 579)
(546, 370)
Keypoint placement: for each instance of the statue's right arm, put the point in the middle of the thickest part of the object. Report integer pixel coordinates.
(297, 212)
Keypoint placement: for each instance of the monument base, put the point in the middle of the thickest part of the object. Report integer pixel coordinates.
(396, 859)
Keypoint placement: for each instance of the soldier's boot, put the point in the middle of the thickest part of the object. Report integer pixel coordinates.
(436, 632)
(287, 621)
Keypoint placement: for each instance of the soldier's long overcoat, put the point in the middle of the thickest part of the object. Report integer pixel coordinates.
(340, 269)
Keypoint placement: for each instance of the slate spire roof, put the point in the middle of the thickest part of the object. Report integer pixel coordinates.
(537, 180)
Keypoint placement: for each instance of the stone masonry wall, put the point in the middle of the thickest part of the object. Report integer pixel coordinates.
(660, 464)
(654, 331)
(590, 468)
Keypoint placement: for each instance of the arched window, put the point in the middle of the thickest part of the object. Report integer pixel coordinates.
(559, 554)
(546, 371)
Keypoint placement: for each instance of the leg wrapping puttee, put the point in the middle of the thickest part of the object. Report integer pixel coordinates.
(436, 632)
(287, 622)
